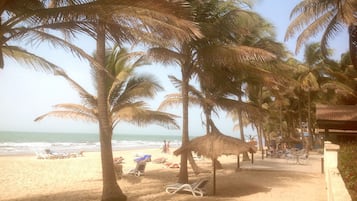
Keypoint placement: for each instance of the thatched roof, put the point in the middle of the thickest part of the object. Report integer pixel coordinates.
(215, 144)
(343, 117)
(336, 112)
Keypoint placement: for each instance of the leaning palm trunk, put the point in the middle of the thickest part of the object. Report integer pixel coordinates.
(352, 29)
(111, 190)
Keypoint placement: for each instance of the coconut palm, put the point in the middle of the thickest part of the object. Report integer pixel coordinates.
(318, 80)
(110, 21)
(153, 22)
(224, 24)
(124, 94)
(313, 16)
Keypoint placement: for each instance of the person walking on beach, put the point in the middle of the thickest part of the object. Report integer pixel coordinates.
(164, 147)
(168, 147)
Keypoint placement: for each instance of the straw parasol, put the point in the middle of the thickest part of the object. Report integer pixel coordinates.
(214, 144)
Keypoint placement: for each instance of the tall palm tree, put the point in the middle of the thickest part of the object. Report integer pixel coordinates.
(124, 99)
(149, 21)
(313, 16)
(317, 81)
(222, 23)
(110, 21)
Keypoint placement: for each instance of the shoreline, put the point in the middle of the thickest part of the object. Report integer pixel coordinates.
(133, 148)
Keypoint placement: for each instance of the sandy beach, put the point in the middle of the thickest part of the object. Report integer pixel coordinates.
(79, 179)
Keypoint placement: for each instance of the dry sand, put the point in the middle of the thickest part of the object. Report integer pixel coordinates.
(79, 179)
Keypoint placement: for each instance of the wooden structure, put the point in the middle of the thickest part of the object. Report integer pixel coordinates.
(337, 119)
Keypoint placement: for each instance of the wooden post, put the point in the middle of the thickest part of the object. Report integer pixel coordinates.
(252, 157)
(214, 176)
(238, 162)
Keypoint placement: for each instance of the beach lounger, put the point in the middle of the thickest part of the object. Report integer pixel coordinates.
(40, 155)
(139, 170)
(196, 188)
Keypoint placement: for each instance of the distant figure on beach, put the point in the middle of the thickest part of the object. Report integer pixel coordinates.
(166, 147)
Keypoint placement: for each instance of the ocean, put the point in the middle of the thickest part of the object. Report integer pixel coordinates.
(28, 143)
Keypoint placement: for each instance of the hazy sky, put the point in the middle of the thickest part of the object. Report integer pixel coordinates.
(26, 94)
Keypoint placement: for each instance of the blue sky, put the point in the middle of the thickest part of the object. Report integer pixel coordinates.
(26, 94)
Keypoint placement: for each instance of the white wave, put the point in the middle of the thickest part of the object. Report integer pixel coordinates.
(7, 148)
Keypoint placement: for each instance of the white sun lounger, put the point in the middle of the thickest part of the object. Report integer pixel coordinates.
(196, 188)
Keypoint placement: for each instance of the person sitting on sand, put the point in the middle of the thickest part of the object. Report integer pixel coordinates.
(159, 160)
(172, 165)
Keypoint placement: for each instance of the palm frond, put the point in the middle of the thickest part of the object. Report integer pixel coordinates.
(176, 82)
(195, 95)
(139, 114)
(311, 8)
(170, 100)
(330, 32)
(68, 115)
(143, 86)
(75, 107)
(127, 20)
(233, 55)
(339, 88)
(86, 97)
(314, 15)
(164, 119)
(126, 110)
(305, 14)
(313, 29)
(165, 56)
(36, 37)
(21, 55)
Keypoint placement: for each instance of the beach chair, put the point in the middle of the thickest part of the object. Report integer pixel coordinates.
(41, 155)
(304, 158)
(196, 188)
(139, 169)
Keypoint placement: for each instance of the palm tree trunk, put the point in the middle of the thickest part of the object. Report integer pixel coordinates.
(352, 29)
(183, 175)
(193, 164)
(300, 120)
(308, 146)
(241, 130)
(260, 137)
(111, 190)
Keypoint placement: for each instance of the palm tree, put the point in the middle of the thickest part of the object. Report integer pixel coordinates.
(124, 94)
(153, 22)
(313, 16)
(110, 21)
(317, 80)
(224, 24)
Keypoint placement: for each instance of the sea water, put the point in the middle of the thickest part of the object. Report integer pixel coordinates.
(16, 143)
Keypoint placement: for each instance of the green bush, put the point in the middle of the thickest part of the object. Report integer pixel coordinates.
(347, 164)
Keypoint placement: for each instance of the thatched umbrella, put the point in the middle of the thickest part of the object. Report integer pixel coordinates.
(215, 144)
